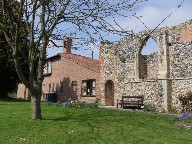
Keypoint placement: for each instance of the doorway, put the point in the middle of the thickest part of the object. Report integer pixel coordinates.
(109, 93)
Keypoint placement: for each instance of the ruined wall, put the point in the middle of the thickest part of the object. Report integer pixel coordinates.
(143, 67)
(152, 66)
(151, 90)
(108, 66)
(180, 41)
(128, 47)
(168, 72)
(180, 87)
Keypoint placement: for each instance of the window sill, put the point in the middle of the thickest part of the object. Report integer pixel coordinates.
(46, 74)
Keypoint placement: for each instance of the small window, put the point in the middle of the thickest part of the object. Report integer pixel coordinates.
(47, 68)
(88, 87)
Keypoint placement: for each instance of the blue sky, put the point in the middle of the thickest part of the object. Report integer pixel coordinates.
(152, 12)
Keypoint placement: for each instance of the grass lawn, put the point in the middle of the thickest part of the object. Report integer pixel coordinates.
(63, 125)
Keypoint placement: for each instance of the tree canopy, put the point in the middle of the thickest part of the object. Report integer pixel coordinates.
(46, 21)
(8, 75)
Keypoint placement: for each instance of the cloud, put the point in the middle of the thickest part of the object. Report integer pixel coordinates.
(152, 12)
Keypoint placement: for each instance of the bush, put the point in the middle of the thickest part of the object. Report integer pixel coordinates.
(186, 118)
(186, 101)
(149, 108)
(172, 110)
(76, 104)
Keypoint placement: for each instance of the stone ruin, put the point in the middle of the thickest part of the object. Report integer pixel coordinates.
(160, 76)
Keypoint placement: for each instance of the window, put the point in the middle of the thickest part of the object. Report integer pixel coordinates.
(47, 68)
(88, 87)
(148, 60)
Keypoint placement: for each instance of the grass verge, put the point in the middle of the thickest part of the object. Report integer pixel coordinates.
(63, 125)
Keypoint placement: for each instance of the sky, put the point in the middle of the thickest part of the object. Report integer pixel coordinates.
(152, 12)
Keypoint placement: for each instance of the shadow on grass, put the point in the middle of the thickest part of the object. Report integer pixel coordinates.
(79, 118)
(10, 99)
(90, 124)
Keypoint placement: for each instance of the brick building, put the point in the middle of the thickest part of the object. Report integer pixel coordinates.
(69, 75)
(22, 91)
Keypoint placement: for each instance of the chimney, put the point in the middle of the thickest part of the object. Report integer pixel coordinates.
(67, 44)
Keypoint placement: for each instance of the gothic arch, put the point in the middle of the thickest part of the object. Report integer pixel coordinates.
(147, 64)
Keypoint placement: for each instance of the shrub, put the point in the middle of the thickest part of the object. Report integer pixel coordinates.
(186, 118)
(123, 59)
(172, 110)
(76, 104)
(186, 101)
(149, 107)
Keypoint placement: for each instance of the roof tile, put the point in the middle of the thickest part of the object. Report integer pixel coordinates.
(87, 62)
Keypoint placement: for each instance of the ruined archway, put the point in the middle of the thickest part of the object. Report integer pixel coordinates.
(148, 59)
(109, 93)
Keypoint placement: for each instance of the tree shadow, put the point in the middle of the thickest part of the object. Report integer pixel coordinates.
(66, 91)
(10, 99)
(91, 121)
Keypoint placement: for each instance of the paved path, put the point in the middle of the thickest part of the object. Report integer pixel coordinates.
(141, 111)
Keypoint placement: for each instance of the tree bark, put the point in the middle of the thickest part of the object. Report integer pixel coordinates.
(36, 107)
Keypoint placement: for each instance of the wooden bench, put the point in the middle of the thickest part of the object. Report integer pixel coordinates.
(133, 102)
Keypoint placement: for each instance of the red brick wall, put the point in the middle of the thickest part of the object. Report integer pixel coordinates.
(186, 35)
(22, 91)
(67, 71)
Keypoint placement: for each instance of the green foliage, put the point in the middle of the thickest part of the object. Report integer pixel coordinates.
(172, 110)
(29, 96)
(86, 125)
(186, 101)
(186, 120)
(149, 108)
(76, 104)
(8, 74)
(12, 95)
(123, 59)
(84, 88)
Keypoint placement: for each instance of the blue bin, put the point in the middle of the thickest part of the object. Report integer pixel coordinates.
(51, 97)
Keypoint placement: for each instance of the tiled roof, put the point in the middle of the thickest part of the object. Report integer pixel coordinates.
(87, 62)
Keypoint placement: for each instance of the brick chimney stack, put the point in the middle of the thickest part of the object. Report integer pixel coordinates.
(67, 44)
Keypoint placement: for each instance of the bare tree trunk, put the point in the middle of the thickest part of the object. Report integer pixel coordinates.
(36, 107)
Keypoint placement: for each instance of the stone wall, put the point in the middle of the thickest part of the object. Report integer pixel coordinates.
(180, 86)
(152, 66)
(181, 60)
(161, 76)
(143, 69)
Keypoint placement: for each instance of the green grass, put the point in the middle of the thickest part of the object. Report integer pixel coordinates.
(61, 125)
